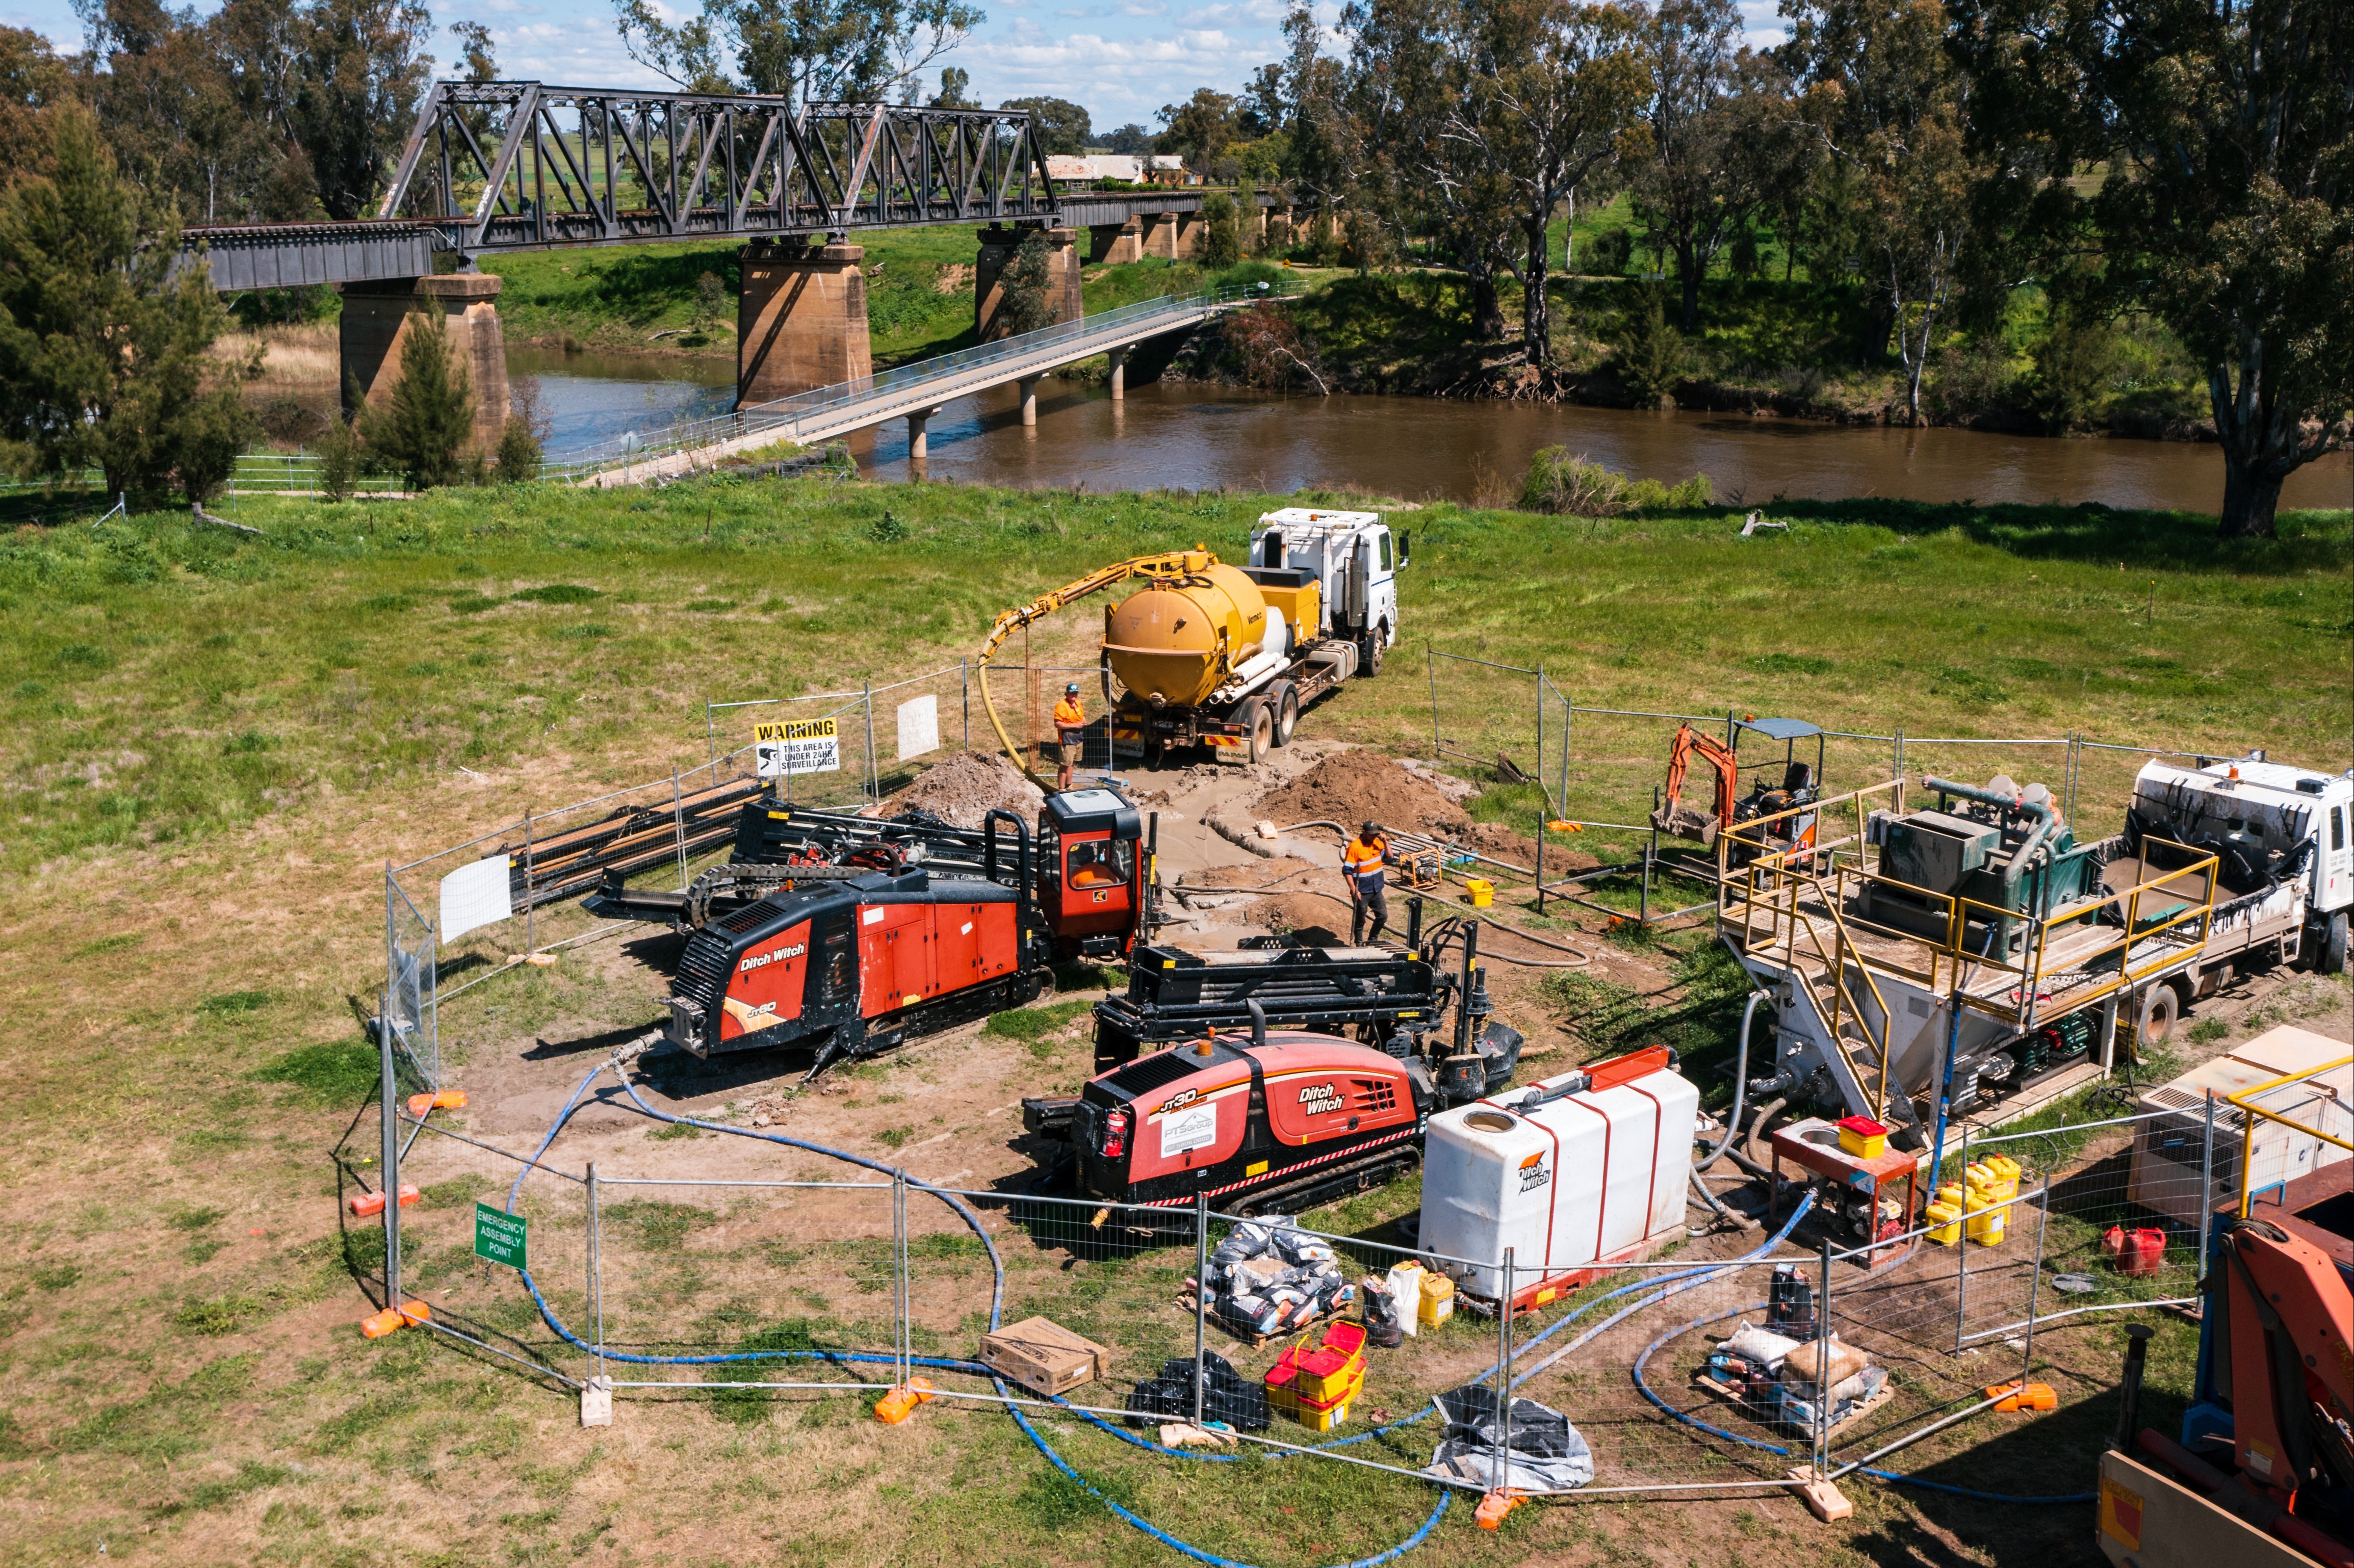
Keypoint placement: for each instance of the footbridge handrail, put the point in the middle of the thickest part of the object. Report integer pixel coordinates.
(786, 416)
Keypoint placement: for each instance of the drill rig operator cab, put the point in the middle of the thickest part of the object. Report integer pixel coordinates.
(1091, 873)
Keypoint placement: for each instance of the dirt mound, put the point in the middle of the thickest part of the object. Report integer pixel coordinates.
(965, 786)
(1351, 786)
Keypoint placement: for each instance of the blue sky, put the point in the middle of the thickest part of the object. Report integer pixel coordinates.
(1122, 59)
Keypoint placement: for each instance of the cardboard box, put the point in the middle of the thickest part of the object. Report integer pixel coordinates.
(1044, 1357)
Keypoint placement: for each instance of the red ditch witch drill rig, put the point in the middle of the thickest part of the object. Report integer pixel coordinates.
(855, 934)
(1290, 1116)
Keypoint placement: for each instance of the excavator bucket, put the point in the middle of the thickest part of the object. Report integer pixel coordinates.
(1679, 821)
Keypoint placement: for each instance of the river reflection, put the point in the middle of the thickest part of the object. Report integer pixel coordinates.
(1180, 435)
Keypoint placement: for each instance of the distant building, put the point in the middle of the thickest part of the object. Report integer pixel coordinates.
(1168, 169)
(1093, 167)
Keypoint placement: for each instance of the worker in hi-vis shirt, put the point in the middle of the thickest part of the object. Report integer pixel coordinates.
(1361, 863)
(1070, 732)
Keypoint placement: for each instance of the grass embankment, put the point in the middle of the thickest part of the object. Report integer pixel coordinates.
(215, 741)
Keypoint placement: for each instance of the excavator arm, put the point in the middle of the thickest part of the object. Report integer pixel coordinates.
(1687, 822)
(1175, 564)
(2291, 1322)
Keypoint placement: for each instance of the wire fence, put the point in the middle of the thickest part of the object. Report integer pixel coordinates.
(697, 1263)
(1596, 774)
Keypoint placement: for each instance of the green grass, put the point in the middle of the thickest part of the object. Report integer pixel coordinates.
(239, 682)
(259, 723)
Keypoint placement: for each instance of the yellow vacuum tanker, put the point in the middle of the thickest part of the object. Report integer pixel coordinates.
(1176, 641)
(1210, 653)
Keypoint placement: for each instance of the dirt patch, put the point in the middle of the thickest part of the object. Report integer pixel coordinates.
(965, 786)
(1351, 786)
(1255, 875)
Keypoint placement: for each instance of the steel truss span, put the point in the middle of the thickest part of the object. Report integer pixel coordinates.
(518, 166)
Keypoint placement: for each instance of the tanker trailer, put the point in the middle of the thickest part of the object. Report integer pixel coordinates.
(1206, 654)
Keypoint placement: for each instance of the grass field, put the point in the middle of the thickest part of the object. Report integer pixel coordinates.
(215, 741)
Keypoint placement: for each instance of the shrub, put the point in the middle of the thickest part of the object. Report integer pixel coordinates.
(339, 460)
(1025, 301)
(2076, 365)
(1560, 484)
(1607, 253)
(519, 450)
(1222, 239)
(1650, 352)
(422, 428)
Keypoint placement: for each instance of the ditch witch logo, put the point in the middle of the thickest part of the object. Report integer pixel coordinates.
(764, 960)
(1534, 1173)
(1319, 1098)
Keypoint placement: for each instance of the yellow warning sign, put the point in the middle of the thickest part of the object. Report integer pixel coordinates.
(797, 746)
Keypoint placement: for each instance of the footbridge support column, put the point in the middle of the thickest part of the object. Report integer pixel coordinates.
(998, 246)
(918, 440)
(1029, 384)
(378, 317)
(1118, 357)
(800, 320)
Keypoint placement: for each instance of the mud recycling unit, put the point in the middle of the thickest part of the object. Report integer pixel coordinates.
(1924, 959)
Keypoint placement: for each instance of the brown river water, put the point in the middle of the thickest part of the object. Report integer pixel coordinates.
(1188, 436)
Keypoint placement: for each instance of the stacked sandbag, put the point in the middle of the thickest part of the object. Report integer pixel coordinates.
(1267, 1277)
(1778, 1377)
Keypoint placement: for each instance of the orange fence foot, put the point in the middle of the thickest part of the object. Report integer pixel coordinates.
(379, 1325)
(1495, 1506)
(365, 1203)
(2023, 1396)
(901, 1402)
(445, 1099)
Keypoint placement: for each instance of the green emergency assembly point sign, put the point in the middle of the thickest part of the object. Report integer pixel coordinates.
(500, 1236)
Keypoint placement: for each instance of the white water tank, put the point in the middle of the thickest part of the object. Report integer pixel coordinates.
(1569, 1181)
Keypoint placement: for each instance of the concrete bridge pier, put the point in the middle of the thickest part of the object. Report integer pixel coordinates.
(800, 320)
(1029, 384)
(378, 317)
(1118, 357)
(997, 245)
(1114, 243)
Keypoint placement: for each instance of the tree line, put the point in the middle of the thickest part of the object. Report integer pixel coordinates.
(2188, 161)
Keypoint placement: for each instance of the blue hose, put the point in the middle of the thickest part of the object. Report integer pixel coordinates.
(996, 1308)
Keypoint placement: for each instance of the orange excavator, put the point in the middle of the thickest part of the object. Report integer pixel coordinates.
(1684, 822)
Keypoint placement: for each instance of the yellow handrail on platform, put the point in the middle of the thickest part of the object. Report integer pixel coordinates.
(2244, 1101)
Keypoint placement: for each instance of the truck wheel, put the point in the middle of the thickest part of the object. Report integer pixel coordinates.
(2329, 952)
(2154, 1020)
(1369, 648)
(1285, 697)
(1259, 725)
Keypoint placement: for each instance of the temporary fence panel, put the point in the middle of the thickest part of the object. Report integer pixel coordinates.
(411, 983)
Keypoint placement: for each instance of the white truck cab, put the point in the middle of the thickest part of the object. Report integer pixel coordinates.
(1356, 562)
(2290, 822)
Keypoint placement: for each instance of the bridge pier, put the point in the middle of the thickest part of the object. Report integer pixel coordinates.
(377, 318)
(996, 247)
(1118, 357)
(1029, 384)
(1114, 243)
(800, 320)
(918, 440)
(1278, 227)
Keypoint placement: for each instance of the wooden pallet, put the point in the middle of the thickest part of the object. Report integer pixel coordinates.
(1256, 1342)
(1716, 1390)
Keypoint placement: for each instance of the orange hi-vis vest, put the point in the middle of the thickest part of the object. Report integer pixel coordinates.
(1068, 715)
(1362, 862)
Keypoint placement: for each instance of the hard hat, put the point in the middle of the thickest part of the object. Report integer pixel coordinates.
(1073, 689)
